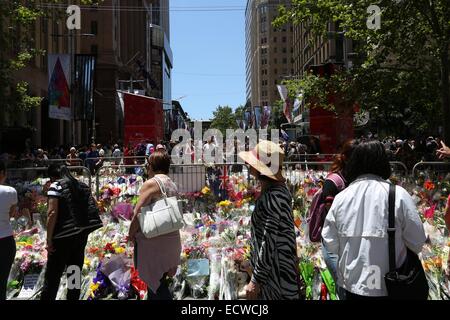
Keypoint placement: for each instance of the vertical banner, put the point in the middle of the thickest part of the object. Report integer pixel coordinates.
(59, 87)
(84, 87)
(265, 118)
(287, 110)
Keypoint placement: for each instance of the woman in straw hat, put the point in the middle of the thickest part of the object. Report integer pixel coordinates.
(273, 244)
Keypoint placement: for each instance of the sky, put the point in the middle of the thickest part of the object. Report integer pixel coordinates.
(209, 56)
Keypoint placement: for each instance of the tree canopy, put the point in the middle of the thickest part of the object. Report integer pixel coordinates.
(401, 70)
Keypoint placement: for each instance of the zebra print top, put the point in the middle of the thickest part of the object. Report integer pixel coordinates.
(273, 245)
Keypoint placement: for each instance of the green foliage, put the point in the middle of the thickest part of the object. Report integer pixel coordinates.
(277, 117)
(223, 119)
(17, 48)
(400, 69)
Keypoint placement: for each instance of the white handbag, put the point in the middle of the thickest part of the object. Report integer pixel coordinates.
(161, 217)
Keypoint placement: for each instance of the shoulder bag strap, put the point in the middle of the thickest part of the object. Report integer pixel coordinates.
(391, 229)
(161, 187)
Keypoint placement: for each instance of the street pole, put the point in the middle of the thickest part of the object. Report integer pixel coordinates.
(72, 82)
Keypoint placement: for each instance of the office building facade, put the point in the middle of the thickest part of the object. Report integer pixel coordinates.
(269, 52)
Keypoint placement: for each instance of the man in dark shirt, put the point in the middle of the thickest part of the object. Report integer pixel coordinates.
(65, 241)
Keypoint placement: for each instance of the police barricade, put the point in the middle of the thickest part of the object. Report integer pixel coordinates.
(32, 174)
(128, 178)
(297, 172)
(32, 185)
(399, 168)
(193, 177)
(310, 157)
(29, 163)
(129, 162)
(431, 169)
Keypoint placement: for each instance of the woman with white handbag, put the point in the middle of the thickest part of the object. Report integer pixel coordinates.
(155, 228)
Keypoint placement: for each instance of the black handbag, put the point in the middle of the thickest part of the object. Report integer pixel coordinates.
(409, 281)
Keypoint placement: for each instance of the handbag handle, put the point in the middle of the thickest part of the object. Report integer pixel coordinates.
(391, 229)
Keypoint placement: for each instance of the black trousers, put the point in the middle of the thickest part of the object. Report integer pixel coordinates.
(8, 253)
(68, 252)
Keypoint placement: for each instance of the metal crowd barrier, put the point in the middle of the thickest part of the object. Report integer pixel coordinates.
(395, 164)
(438, 167)
(193, 177)
(24, 164)
(122, 170)
(31, 174)
(118, 160)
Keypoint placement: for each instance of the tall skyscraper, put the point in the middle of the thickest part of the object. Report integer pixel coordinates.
(268, 52)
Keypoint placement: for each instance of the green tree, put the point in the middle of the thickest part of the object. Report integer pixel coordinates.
(277, 117)
(402, 69)
(17, 49)
(239, 113)
(223, 119)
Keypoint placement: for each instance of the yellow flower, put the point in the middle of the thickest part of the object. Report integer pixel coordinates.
(94, 286)
(206, 190)
(87, 262)
(120, 250)
(224, 203)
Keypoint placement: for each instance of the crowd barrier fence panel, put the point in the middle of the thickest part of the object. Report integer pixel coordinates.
(26, 164)
(438, 167)
(117, 170)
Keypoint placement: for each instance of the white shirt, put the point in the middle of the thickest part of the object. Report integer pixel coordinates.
(356, 230)
(8, 198)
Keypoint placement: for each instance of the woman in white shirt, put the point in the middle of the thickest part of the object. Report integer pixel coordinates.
(8, 202)
(356, 225)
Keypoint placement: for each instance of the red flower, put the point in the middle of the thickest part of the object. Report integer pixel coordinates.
(138, 285)
(429, 185)
(109, 248)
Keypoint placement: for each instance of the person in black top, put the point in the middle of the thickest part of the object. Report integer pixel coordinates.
(329, 192)
(72, 215)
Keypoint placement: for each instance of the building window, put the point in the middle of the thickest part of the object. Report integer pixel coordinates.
(94, 27)
(274, 39)
(284, 50)
(284, 60)
(284, 39)
(275, 50)
(275, 71)
(275, 60)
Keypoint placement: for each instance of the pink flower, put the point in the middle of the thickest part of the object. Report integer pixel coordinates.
(429, 213)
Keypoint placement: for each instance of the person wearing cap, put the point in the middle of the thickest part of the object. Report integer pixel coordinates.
(273, 241)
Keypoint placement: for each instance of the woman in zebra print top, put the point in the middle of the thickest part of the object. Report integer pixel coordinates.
(273, 245)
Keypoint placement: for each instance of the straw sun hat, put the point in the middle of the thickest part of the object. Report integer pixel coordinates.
(261, 157)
